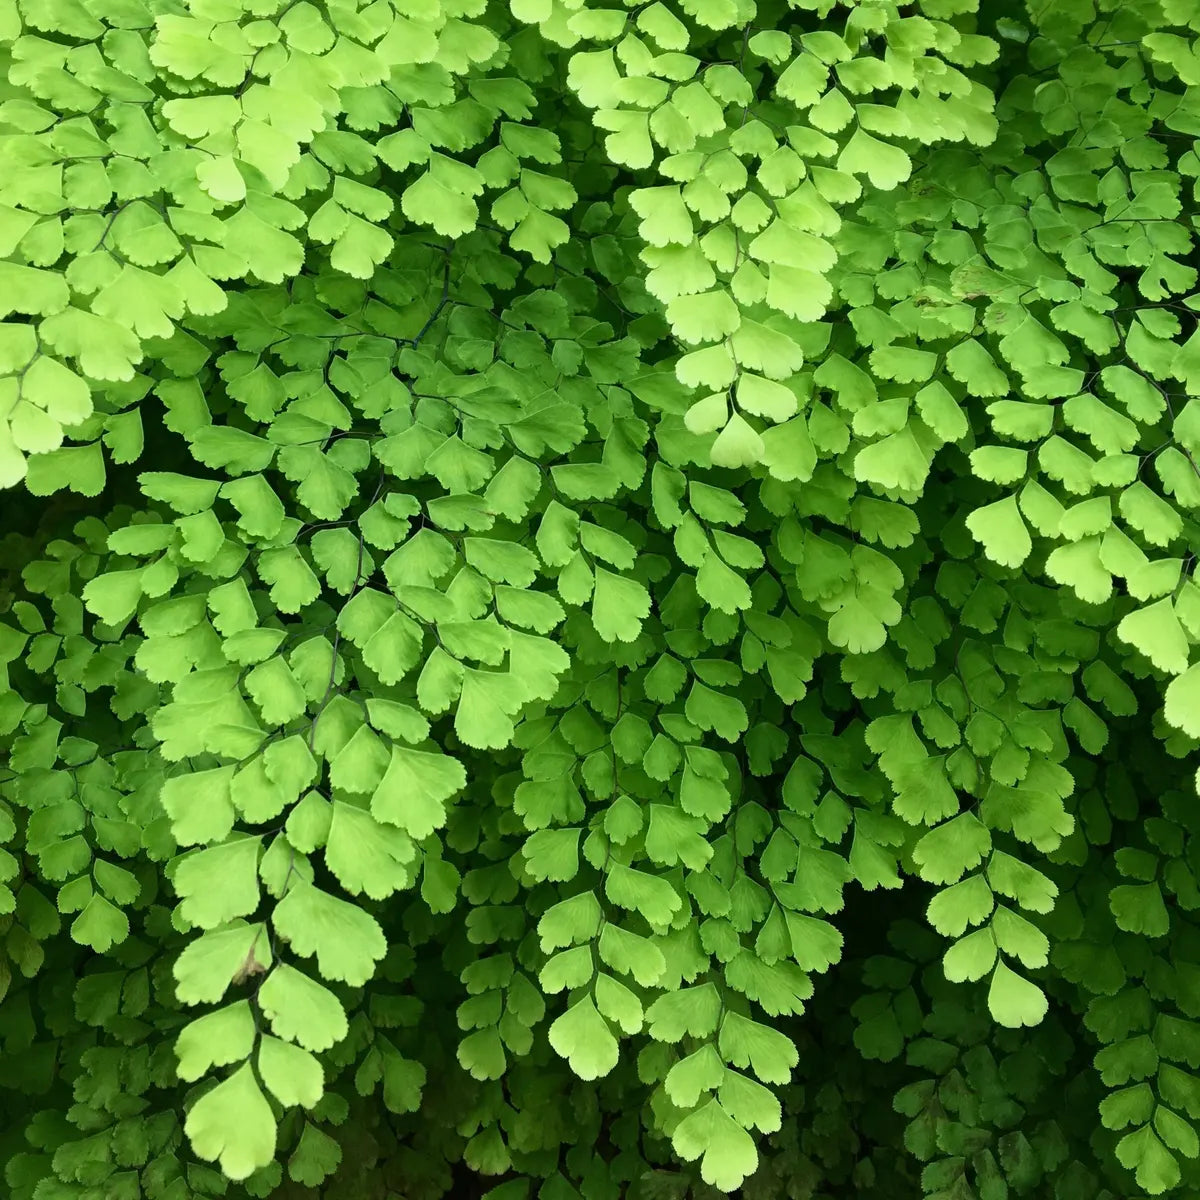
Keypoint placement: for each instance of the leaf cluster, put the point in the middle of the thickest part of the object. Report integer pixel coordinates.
(600, 599)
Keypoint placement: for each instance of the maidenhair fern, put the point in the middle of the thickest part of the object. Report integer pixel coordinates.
(598, 602)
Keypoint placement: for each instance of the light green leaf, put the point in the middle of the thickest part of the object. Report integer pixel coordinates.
(582, 1036)
(727, 1152)
(221, 957)
(1002, 533)
(619, 606)
(414, 790)
(1014, 1001)
(1155, 631)
(701, 1071)
(738, 445)
(301, 1010)
(220, 883)
(971, 957)
(233, 1124)
(346, 940)
(366, 856)
(692, 1012)
(1182, 707)
(885, 165)
(215, 1040)
(291, 1074)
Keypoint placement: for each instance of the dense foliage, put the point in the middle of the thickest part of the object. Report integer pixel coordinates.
(598, 601)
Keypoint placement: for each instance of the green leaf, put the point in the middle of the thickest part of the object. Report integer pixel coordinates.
(971, 364)
(1014, 1001)
(726, 1151)
(483, 719)
(664, 217)
(1154, 1165)
(367, 856)
(114, 597)
(746, 1043)
(552, 854)
(924, 794)
(199, 806)
(232, 1124)
(316, 1157)
(894, 463)
(1020, 938)
(638, 891)
(301, 1010)
(692, 1012)
(1182, 706)
(1139, 908)
(220, 883)
(292, 1075)
(1129, 1106)
(276, 691)
(885, 165)
(969, 902)
(347, 942)
(618, 1004)
(1150, 515)
(619, 606)
(359, 766)
(700, 1072)
(1177, 1133)
(215, 1040)
(443, 200)
(738, 445)
(101, 925)
(999, 529)
(208, 966)
(703, 316)
(1155, 631)
(413, 792)
(582, 1036)
(750, 1104)
(971, 957)
(1080, 567)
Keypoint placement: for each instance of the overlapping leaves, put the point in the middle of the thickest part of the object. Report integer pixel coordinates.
(588, 496)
